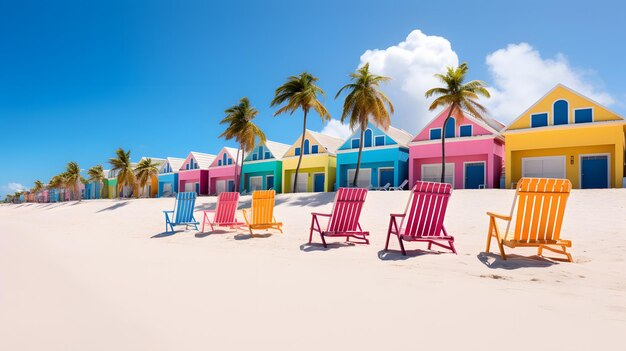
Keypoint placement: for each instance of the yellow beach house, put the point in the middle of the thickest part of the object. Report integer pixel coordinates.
(319, 163)
(567, 135)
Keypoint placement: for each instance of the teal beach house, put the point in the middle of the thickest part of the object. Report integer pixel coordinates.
(263, 167)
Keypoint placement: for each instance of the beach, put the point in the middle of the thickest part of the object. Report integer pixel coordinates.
(103, 275)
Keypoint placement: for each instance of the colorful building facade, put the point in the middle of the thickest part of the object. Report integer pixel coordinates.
(319, 163)
(474, 152)
(224, 170)
(168, 176)
(193, 175)
(93, 190)
(262, 168)
(384, 159)
(151, 188)
(567, 135)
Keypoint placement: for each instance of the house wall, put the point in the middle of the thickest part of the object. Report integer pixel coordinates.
(167, 178)
(438, 123)
(112, 188)
(263, 169)
(375, 159)
(312, 163)
(194, 176)
(221, 173)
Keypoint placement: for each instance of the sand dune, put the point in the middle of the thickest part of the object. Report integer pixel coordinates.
(101, 275)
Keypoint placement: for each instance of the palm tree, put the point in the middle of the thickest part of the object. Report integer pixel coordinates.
(457, 96)
(56, 182)
(37, 188)
(145, 170)
(125, 174)
(300, 92)
(364, 102)
(241, 128)
(96, 174)
(72, 178)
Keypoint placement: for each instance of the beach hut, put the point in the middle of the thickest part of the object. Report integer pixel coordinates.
(319, 162)
(111, 183)
(566, 135)
(168, 176)
(474, 152)
(384, 159)
(193, 175)
(263, 167)
(151, 188)
(93, 190)
(222, 171)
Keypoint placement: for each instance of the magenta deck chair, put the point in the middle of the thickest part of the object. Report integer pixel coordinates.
(422, 219)
(343, 221)
(224, 213)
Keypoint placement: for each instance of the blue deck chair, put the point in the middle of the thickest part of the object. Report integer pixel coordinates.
(182, 213)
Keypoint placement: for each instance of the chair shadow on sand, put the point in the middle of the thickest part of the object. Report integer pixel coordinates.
(201, 235)
(329, 246)
(241, 236)
(114, 207)
(494, 261)
(166, 234)
(393, 255)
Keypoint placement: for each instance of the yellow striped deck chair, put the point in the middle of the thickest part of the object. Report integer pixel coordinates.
(262, 212)
(540, 208)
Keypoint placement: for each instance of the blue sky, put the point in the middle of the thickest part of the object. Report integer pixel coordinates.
(80, 78)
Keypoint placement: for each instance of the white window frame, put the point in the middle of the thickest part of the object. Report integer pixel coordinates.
(580, 168)
(484, 173)
(466, 125)
(440, 131)
(379, 136)
(437, 165)
(547, 157)
(386, 169)
(348, 177)
(593, 115)
(540, 113)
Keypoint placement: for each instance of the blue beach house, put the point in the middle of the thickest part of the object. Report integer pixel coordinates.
(93, 190)
(168, 176)
(384, 159)
(263, 168)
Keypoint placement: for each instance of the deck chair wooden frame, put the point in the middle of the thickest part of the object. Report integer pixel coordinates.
(540, 206)
(183, 212)
(262, 212)
(343, 220)
(225, 212)
(423, 217)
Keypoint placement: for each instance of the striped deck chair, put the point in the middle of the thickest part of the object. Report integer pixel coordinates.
(262, 212)
(422, 219)
(182, 213)
(224, 212)
(343, 220)
(540, 208)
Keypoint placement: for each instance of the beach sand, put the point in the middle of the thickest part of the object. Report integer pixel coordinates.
(101, 275)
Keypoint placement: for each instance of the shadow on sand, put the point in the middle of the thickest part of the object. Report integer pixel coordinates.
(494, 261)
(254, 236)
(165, 234)
(320, 247)
(396, 255)
(210, 233)
(114, 207)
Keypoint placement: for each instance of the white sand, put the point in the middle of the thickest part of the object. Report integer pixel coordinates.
(92, 276)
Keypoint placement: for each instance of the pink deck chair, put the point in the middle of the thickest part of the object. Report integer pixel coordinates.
(422, 219)
(224, 213)
(344, 218)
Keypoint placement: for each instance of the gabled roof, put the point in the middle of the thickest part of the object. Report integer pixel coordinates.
(489, 124)
(174, 162)
(231, 151)
(278, 150)
(158, 161)
(204, 160)
(400, 136)
(330, 143)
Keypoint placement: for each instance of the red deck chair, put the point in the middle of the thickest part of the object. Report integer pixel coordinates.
(344, 219)
(422, 219)
(224, 213)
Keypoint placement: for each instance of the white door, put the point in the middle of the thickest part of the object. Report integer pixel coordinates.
(189, 187)
(364, 180)
(256, 183)
(544, 167)
(167, 189)
(432, 173)
(303, 182)
(220, 186)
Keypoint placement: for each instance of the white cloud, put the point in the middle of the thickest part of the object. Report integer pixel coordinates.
(411, 64)
(335, 128)
(11, 188)
(521, 76)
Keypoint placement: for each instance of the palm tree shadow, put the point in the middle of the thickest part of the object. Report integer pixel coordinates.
(329, 246)
(495, 261)
(114, 207)
(314, 200)
(254, 236)
(393, 255)
(166, 234)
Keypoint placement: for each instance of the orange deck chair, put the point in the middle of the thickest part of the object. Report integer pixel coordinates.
(262, 212)
(540, 208)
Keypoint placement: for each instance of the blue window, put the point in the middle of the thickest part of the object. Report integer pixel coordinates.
(187, 166)
(379, 140)
(230, 161)
(538, 120)
(267, 155)
(450, 128)
(465, 131)
(583, 115)
(297, 151)
(435, 133)
(560, 112)
(355, 143)
(314, 149)
(367, 140)
(255, 157)
(219, 162)
(306, 146)
(224, 158)
(260, 156)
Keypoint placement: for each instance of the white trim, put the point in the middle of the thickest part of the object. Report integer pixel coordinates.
(261, 161)
(539, 113)
(386, 169)
(459, 139)
(608, 168)
(438, 165)
(544, 158)
(583, 108)
(484, 173)
(310, 155)
(566, 126)
(392, 146)
(568, 114)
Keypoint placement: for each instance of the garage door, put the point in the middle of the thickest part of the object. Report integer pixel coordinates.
(365, 177)
(303, 182)
(189, 187)
(432, 173)
(167, 189)
(544, 167)
(256, 183)
(220, 186)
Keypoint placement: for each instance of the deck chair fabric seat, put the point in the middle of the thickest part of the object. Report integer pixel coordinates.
(540, 204)
(343, 220)
(225, 212)
(183, 212)
(422, 220)
(261, 214)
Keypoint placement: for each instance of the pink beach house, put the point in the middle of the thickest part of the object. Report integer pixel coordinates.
(474, 152)
(222, 171)
(194, 173)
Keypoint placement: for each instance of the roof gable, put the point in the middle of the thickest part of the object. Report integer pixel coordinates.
(174, 162)
(479, 127)
(325, 143)
(225, 157)
(202, 160)
(393, 136)
(269, 150)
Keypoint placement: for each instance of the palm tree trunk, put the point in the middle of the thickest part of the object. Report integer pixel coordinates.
(358, 161)
(236, 179)
(242, 161)
(295, 177)
(443, 145)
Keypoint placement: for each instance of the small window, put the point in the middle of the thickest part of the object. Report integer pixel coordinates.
(314, 149)
(306, 146)
(560, 112)
(224, 159)
(268, 155)
(297, 151)
(584, 115)
(219, 162)
(435, 134)
(450, 126)
(187, 166)
(465, 131)
(367, 139)
(255, 157)
(355, 143)
(230, 161)
(538, 120)
(379, 140)
(260, 152)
